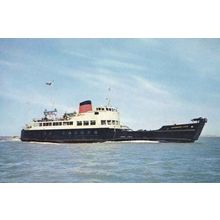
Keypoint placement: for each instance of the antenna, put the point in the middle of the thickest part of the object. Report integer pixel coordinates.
(108, 97)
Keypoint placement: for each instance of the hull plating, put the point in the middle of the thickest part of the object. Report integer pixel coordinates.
(170, 133)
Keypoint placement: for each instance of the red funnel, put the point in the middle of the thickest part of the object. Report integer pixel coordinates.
(85, 106)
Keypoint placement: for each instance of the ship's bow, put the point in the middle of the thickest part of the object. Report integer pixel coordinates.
(201, 123)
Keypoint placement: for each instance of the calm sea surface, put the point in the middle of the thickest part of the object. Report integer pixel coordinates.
(110, 162)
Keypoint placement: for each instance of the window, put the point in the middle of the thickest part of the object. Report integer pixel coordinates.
(79, 123)
(109, 122)
(106, 109)
(85, 123)
(50, 124)
(103, 122)
(116, 122)
(68, 123)
(40, 124)
(57, 123)
(103, 109)
(113, 122)
(92, 122)
(96, 113)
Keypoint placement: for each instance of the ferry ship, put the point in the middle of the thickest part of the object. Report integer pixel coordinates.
(103, 124)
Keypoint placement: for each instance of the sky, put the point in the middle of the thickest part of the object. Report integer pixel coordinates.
(153, 81)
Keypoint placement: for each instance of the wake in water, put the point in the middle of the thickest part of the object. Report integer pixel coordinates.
(134, 141)
(95, 143)
(46, 143)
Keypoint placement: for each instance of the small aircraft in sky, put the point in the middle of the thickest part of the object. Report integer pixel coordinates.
(49, 83)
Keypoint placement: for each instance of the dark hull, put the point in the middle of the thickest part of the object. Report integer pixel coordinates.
(170, 133)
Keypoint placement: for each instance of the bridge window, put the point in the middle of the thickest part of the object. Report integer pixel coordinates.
(92, 122)
(85, 123)
(79, 123)
(103, 122)
(96, 113)
(40, 124)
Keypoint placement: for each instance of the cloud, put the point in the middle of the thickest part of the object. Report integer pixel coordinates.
(148, 86)
(9, 63)
(31, 98)
(75, 54)
(134, 88)
(112, 63)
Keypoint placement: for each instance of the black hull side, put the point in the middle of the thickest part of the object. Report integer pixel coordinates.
(170, 133)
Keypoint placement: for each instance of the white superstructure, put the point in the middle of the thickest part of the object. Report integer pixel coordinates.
(101, 117)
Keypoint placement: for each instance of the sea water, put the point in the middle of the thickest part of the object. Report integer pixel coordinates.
(129, 162)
